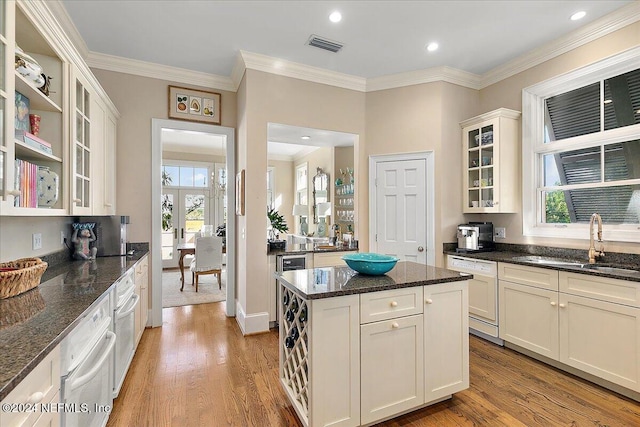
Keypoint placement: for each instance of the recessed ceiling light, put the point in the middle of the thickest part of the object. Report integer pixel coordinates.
(578, 15)
(432, 47)
(305, 137)
(335, 16)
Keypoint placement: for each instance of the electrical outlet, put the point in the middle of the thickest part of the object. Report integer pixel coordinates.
(501, 232)
(37, 241)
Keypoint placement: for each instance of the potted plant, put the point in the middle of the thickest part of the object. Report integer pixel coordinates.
(278, 225)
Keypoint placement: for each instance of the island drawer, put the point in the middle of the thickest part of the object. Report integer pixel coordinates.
(383, 305)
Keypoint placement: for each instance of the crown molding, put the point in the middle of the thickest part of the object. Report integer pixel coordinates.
(295, 70)
(157, 71)
(429, 75)
(237, 73)
(614, 21)
(64, 20)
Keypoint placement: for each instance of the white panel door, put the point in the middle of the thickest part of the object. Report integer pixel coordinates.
(401, 210)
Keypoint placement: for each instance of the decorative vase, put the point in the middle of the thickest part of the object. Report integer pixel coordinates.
(304, 227)
(322, 227)
(47, 187)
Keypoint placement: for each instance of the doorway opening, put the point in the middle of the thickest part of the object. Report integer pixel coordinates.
(191, 162)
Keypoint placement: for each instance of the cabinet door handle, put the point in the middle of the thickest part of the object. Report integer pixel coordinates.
(182, 233)
(36, 397)
(395, 325)
(394, 304)
(428, 301)
(175, 233)
(553, 303)
(108, 205)
(14, 192)
(77, 201)
(562, 306)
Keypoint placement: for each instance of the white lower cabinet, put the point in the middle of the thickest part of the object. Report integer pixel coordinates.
(357, 359)
(142, 290)
(328, 259)
(41, 387)
(446, 342)
(529, 318)
(587, 322)
(601, 338)
(392, 367)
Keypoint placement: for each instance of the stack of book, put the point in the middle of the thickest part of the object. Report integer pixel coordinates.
(26, 180)
(33, 141)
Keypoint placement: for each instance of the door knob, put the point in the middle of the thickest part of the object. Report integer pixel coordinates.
(420, 249)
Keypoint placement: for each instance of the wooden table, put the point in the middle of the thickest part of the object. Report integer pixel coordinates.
(188, 249)
(184, 249)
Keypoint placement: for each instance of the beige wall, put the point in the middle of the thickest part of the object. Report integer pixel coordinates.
(508, 93)
(140, 99)
(422, 118)
(16, 235)
(266, 98)
(284, 194)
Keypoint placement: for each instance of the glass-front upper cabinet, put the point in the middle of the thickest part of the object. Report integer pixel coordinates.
(490, 162)
(34, 126)
(82, 170)
(6, 87)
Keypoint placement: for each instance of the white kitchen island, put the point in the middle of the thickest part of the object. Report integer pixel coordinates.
(356, 350)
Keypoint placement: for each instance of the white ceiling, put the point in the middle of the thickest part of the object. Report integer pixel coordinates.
(380, 37)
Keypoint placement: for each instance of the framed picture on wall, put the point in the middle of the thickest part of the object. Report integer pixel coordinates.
(240, 193)
(194, 105)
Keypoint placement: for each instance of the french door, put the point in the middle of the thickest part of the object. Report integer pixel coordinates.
(184, 212)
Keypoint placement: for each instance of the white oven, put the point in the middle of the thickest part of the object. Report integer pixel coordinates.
(87, 370)
(124, 327)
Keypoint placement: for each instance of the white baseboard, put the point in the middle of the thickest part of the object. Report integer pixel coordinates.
(253, 323)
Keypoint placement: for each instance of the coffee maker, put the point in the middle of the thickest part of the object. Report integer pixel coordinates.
(475, 237)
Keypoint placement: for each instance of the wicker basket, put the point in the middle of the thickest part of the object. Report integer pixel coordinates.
(27, 276)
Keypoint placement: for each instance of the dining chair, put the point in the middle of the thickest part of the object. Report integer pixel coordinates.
(208, 259)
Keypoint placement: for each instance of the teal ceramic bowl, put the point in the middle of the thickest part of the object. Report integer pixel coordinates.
(370, 263)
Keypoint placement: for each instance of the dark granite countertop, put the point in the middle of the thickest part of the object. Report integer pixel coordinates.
(32, 324)
(507, 254)
(327, 282)
(308, 248)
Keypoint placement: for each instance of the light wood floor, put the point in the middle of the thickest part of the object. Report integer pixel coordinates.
(198, 370)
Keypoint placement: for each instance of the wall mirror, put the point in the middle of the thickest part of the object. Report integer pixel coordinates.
(320, 191)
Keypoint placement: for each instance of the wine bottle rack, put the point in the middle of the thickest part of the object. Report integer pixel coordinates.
(295, 347)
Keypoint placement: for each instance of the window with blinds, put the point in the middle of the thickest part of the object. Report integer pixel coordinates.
(588, 163)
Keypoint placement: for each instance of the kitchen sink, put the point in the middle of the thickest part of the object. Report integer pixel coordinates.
(559, 262)
(612, 270)
(550, 261)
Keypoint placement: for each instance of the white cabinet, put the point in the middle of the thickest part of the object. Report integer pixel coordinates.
(22, 156)
(392, 367)
(446, 342)
(63, 152)
(600, 334)
(41, 386)
(103, 134)
(529, 317)
(357, 359)
(490, 162)
(320, 358)
(142, 290)
(587, 322)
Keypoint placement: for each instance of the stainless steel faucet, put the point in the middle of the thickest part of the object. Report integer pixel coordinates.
(593, 254)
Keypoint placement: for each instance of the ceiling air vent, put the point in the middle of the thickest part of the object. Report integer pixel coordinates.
(323, 43)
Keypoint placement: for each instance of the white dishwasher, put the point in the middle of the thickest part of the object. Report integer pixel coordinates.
(483, 295)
